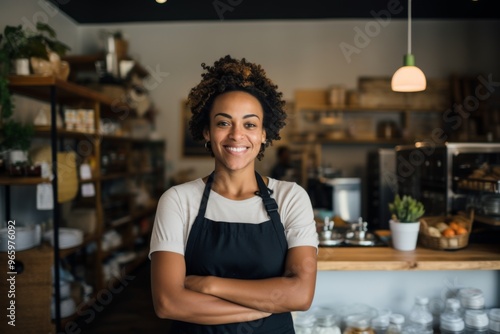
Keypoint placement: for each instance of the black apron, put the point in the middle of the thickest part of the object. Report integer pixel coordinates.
(238, 250)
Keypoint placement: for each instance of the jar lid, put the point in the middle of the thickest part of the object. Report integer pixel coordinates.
(494, 314)
(305, 320)
(471, 298)
(397, 319)
(476, 318)
(422, 300)
(380, 321)
(451, 322)
(452, 304)
(361, 321)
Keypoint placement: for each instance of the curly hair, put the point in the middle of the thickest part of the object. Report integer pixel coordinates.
(229, 74)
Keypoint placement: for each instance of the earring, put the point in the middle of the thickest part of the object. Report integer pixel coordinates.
(208, 146)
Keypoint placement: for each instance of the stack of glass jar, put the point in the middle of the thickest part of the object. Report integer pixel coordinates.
(464, 314)
(321, 320)
(475, 316)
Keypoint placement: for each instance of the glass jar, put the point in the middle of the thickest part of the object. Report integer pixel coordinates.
(451, 320)
(358, 324)
(476, 321)
(416, 329)
(471, 298)
(396, 322)
(420, 313)
(304, 323)
(494, 317)
(326, 324)
(381, 322)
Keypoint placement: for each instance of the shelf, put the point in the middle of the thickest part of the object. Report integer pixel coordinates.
(87, 239)
(359, 108)
(22, 181)
(150, 209)
(45, 131)
(113, 176)
(489, 220)
(119, 222)
(480, 185)
(473, 257)
(59, 94)
(35, 86)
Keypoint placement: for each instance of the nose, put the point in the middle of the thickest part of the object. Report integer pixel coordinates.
(236, 132)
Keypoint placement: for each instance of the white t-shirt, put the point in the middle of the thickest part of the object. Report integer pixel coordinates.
(179, 205)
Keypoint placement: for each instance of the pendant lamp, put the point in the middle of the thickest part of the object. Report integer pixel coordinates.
(408, 78)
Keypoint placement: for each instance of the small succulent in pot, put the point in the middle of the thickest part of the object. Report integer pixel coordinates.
(406, 209)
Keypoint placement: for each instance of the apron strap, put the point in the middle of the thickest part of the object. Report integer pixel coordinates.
(206, 194)
(272, 209)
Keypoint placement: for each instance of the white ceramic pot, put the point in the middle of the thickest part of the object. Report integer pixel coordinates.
(404, 235)
(15, 156)
(21, 66)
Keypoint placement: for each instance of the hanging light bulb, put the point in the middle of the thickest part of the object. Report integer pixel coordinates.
(408, 78)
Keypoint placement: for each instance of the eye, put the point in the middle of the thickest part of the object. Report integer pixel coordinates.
(223, 123)
(250, 125)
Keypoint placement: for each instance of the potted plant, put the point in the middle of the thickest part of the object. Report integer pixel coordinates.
(15, 137)
(22, 45)
(406, 212)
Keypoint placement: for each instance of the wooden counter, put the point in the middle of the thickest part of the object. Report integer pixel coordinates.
(473, 257)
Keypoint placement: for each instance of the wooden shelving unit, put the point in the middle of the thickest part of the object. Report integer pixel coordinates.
(150, 174)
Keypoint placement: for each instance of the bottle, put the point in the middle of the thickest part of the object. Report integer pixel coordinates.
(420, 313)
(476, 322)
(396, 322)
(451, 321)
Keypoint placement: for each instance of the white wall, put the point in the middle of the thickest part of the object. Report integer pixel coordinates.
(29, 12)
(396, 290)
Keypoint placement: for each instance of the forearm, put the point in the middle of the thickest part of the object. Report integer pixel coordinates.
(294, 291)
(274, 295)
(190, 306)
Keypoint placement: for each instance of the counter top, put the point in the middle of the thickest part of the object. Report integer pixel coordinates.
(473, 257)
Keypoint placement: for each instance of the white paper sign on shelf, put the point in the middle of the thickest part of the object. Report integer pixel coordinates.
(44, 196)
(85, 172)
(88, 190)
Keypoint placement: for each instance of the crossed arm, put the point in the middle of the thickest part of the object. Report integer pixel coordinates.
(214, 300)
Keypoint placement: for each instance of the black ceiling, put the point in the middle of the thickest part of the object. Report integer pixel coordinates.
(123, 11)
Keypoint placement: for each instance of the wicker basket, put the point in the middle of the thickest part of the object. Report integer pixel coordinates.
(445, 243)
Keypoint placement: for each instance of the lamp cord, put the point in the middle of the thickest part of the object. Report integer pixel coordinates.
(409, 26)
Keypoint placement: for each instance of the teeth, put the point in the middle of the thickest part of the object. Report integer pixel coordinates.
(236, 149)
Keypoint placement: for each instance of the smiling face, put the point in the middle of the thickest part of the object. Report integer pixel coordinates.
(236, 130)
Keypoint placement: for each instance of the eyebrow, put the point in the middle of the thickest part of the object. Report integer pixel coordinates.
(230, 117)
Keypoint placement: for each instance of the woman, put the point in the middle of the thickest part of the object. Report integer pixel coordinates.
(234, 252)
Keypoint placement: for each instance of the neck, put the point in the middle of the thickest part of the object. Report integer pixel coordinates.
(237, 185)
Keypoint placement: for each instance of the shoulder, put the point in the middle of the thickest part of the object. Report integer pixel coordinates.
(279, 186)
(288, 193)
(184, 190)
